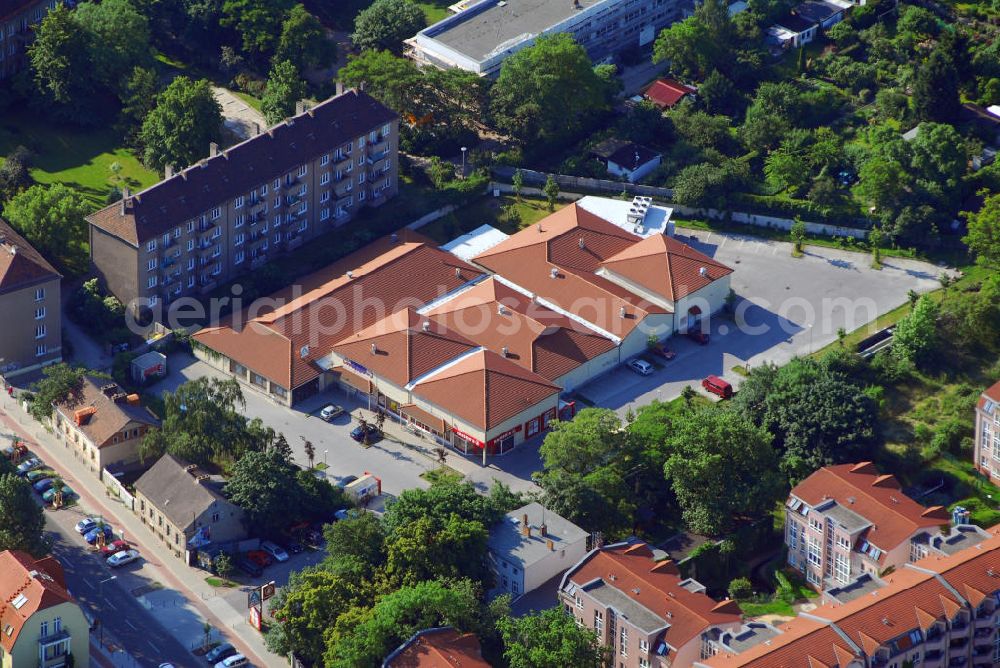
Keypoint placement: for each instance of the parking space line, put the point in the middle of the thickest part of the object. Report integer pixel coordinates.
(131, 625)
(110, 604)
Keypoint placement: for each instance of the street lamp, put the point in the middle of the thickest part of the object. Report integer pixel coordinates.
(464, 149)
(324, 457)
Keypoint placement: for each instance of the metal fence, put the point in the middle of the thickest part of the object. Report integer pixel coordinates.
(533, 178)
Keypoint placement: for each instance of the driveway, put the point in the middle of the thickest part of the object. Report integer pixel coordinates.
(786, 307)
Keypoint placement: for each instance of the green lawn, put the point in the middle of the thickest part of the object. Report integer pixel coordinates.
(248, 98)
(435, 10)
(77, 157)
(442, 474)
(486, 211)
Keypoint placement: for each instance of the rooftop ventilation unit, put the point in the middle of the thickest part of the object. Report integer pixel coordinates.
(702, 271)
(638, 210)
(554, 272)
(505, 351)
(374, 349)
(427, 326)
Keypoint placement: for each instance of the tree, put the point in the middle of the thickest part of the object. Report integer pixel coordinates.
(875, 242)
(138, 98)
(14, 175)
(548, 91)
(58, 382)
(446, 498)
(699, 43)
(22, 521)
(303, 41)
(915, 338)
(51, 218)
(722, 469)
(550, 638)
(844, 34)
(798, 234)
(705, 184)
(935, 89)
(517, 183)
(258, 22)
(388, 78)
(881, 184)
(551, 191)
(718, 94)
(786, 168)
(365, 639)
(60, 57)
(224, 566)
(265, 486)
(356, 545)
(983, 237)
(435, 549)
(186, 119)
(816, 413)
(284, 89)
(118, 40)
(386, 23)
(310, 450)
(741, 588)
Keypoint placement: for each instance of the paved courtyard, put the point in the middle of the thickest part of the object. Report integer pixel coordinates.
(786, 307)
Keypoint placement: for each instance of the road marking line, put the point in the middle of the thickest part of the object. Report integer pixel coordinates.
(133, 626)
(155, 648)
(111, 605)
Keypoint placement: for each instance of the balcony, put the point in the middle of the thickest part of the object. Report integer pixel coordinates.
(957, 661)
(342, 189)
(341, 161)
(958, 643)
(983, 632)
(53, 648)
(933, 655)
(376, 156)
(982, 650)
(258, 261)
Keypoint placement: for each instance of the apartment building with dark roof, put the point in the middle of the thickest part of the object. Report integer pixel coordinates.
(31, 336)
(17, 18)
(229, 214)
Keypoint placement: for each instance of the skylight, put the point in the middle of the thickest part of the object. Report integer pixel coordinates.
(19, 601)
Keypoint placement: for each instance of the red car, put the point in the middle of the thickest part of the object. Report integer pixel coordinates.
(260, 557)
(664, 352)
(718, 386)
(698, 336)
(114, 547)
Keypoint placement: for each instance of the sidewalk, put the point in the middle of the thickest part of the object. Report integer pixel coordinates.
(196, 597)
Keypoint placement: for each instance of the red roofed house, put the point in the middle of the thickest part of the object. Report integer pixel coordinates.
(438, 648)
(848, 520)
(642, 609)
(40, 623)
(987, 438)
(665, 93)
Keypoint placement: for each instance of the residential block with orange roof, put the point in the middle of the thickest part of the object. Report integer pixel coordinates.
(40, 622)
(642, 609)
(986, 452)
(943, 610)
(438, 648)
(849, 520)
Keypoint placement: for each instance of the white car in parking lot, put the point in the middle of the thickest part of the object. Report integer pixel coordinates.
(122, 558)
(274, 550)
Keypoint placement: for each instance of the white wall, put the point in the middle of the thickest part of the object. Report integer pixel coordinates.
(555, 562)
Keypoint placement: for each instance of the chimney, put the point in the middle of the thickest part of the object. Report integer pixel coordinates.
(551, 545)
(525, 527)
(340, 88)
(168, 172)
(543, 531)
(213, 150)
(300, 107)
(126, 203)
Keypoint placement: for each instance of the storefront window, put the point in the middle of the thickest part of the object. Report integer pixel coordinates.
(532, 428)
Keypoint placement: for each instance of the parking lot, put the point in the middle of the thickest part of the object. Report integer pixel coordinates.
(785, 307)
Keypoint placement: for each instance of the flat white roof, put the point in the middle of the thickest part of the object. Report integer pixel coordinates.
(475, 242)
(616, 211)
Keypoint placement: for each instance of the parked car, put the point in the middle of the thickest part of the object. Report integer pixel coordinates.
(29, 465)
(641, 367)
(331, 411)
(115, 547)
(698, 336)
(220, 652)
(50, 494)
(122, 558)
(374, 434)
(274, 550)
(661, 350)
(293, 545)
(260, 557)
(43, 484)
(249, 567)
(86, 524)
(91, 536)
(38, 474)
(718, 386)
(232, 661)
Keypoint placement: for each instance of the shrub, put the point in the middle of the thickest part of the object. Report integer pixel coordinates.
(740, 588)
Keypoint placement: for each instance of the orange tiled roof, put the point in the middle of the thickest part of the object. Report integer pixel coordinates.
(992, 392)
(484, 389)
(40, 581)
(666, 267)
(656, 586)
(574, 243)
(439, 648)
(877, 498)
(801, 641)
(109, 418)
(403, 346)
(496, 316)
(322, 309)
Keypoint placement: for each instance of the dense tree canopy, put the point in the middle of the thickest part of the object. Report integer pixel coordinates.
(58, 382)
(51, 219)
(550, 639)
(186, 119)
(22, 520)
(386, 23)
(983, 237)
(118, 40)
(284, 89)
(258, 22)
(303, 41)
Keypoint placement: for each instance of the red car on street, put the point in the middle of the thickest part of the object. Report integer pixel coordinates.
(260, 557)
(114, 547)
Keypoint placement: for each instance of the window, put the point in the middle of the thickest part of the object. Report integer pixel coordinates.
(215, 517)
(39, 313)
(623, 641)
(277, 183)
(842, 568)
(151, 283)
(238, 202)
(361, 160)
(386, 129)
(579, 602)
(190, 263)
(57, 625)
(40, 332)
(325, 160)
(302, 190)
(350, 147)
(151, 246)
(303, 225)
(598, 621)
(40, 351)
(361, 177)
(793, 535)
(813, 547)
(190, 226)
(811, 577)
(302, 170)
(240, 238)
(191, 281)
(151, 265)
(324, 196)
(240, 219)
(324, 214)
(843, 542)
(815, 524)
(166, 239)
(239, 257)
(644, 646)
(324, 179)
(361, 196)
(303, 207)
(43, 629)
(39, 294)
(643, 662)
(361, 142)
(190, 245)
(277, 237)
(372, 137)
(277, 202)
(216, 213)
(177, 233)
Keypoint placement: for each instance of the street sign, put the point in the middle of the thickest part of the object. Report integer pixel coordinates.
(255, 618)
(253, 598)
(267, 590)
